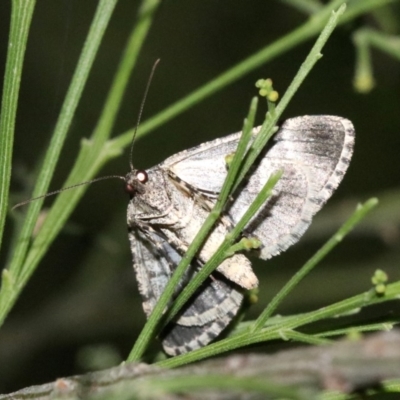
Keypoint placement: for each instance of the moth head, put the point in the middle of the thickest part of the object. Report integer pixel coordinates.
(135, 182)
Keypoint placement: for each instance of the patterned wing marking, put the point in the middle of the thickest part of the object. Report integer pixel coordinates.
(205, 316)
(323, 144)
(321, 148)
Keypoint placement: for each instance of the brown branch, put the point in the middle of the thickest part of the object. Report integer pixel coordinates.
(345, 366)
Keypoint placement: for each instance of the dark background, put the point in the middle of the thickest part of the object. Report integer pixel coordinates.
(84, 297)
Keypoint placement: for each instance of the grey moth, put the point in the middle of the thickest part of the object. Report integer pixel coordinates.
(169, 202)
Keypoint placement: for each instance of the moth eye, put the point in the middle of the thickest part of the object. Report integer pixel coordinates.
(142, 176)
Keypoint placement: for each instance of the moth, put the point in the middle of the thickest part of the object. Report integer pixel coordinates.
(169, 202)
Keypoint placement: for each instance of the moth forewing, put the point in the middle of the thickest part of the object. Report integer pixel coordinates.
(313, 151)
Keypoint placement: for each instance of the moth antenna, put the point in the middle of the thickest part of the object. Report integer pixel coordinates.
(141, 111)
(102, 178)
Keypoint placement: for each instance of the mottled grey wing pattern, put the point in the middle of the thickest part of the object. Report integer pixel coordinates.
(313, 152)
(167, 207)
(207, 314)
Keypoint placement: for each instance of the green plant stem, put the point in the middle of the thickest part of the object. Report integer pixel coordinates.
(359, 7)
(16, 272)
(312, 262)
(277, 332)
(363, 39)
(21, 17)
(282, 328)
(389, 44)
(118, 87)
(363, 77)
(271, 120)
(306, 6)
(385, 326)
(304, 338)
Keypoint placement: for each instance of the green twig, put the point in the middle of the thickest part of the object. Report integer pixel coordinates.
(21, 17)
(315, 54)
(307, 6)
(358, 329)
(364, 39)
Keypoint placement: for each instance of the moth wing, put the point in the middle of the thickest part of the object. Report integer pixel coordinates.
(204, 166)
(206, 315)
(312, 151)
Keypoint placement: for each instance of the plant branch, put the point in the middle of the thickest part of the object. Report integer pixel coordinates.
(302, 373)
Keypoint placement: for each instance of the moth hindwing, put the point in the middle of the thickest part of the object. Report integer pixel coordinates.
(171, 201)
